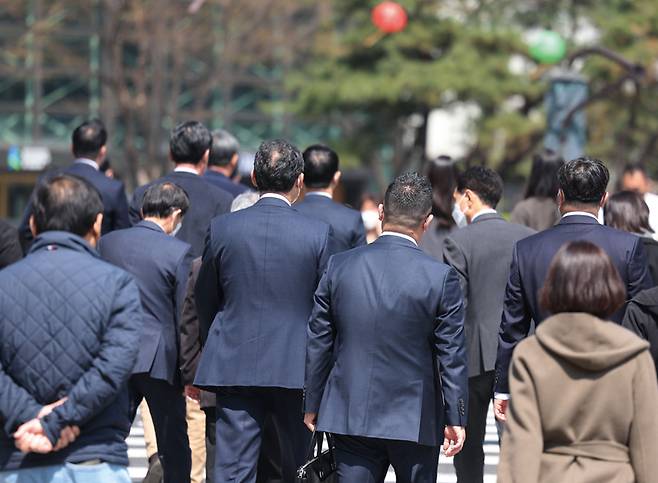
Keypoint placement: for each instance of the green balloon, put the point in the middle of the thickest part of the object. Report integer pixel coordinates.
(548, 47)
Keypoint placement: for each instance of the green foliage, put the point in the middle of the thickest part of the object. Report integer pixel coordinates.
(370, 84)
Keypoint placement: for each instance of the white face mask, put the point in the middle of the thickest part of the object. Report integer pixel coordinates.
(458, 215)
(176, 229)
(370, 219)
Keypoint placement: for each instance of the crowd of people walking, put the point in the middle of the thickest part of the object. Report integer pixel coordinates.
(246, 321)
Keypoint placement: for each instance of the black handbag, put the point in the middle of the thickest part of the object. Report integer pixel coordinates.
(321, 466)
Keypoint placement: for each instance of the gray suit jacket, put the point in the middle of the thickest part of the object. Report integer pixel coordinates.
(481, 253)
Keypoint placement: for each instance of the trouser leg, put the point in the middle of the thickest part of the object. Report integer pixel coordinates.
(412, 462)
(196, 430)
(167, 405)
(210, 444)
(294, 436)
(469, 463)
(360, 460)
(240, 416)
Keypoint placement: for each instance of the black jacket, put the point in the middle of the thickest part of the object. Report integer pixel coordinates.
(642, 318)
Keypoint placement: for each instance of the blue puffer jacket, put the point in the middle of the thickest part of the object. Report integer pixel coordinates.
(69, 327)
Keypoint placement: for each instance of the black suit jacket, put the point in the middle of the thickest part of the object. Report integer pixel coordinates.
(347, 225)
(10, 247)
(160, 264)
(113, 194)
(481, 254)
(530, 261)
(206, 202)
(254, 295)
(386, 356)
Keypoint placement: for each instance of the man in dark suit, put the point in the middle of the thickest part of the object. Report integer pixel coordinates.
(160, 263)
(10, 246)
(321, 177)
(481, 254)
(88, 144)
(386, 360)
(254, 296)
(189, 148)
(582, 184)
(223, 161)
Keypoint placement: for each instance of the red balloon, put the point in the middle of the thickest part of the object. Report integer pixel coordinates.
(389, 17)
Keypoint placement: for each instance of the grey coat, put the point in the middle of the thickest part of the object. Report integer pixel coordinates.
(481, 253)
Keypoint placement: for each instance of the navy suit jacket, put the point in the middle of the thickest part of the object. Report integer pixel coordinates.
(386, 353)
(530, 262)
(221, 181)
(206, 202)
(160, 264)
(113, 194)
(347, 225)
(254, 295)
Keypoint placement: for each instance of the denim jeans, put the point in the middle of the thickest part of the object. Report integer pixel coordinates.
(68, 473)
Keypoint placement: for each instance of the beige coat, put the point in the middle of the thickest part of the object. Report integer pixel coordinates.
(584, 406)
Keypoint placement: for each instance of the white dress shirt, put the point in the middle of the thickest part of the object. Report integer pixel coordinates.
(185, 169)
(400, 235)
(277, 196)
(88, 162)
(319, 193)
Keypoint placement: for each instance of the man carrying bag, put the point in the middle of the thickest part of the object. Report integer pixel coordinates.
(372, 379)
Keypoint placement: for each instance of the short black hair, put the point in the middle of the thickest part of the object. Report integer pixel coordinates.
(484, 182)
(66, 203)
(583, 180)
(188, 142)
(224, 147)
(408, 200)
(88, 139)
(277, 165)
(320, 166)
(161, 199)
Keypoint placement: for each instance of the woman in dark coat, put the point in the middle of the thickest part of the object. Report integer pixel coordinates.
(583, 390)
(628, 211)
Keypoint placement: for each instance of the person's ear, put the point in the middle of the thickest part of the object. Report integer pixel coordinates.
(380, 209)
(95, 232)
(560, 197)
(428, 222)
(604, 200)
(203, 164)
(300, 181)
(102, 153)
(253, 179)
(234, 160)
(33, 226)
(336, 179)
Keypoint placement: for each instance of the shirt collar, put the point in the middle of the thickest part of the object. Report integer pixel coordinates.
(401, 235)
(183, 169)
(483, 211)
(319, 193)
(580, 213)
(277, 196)
(88, 162)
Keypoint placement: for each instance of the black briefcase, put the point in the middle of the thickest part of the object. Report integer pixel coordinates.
(320, 466)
